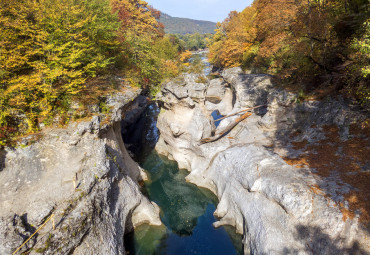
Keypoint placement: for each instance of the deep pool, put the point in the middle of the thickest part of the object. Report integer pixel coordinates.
(187, 213)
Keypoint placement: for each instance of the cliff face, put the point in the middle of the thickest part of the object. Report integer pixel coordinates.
(78, 180)
(280, 207)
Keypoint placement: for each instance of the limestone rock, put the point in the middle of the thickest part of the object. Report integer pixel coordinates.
(273, 204)
(178, 90)
(216, 91)
(84, 177)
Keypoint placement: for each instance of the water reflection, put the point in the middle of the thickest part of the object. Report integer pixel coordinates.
(186, 210)
(187, 213)
(181, 202)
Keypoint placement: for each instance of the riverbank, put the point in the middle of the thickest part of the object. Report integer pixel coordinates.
(279, 204)
(291, 178)
(76, 189)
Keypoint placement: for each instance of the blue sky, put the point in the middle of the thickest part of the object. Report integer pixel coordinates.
(212, 10)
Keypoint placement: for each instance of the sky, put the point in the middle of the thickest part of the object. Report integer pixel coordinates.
(211, 10)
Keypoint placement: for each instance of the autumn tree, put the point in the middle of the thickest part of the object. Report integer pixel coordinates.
(138, 32)
(312, 43)
(48, 50)
(233, 39)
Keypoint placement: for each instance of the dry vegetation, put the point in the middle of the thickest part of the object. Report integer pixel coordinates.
(348, 159)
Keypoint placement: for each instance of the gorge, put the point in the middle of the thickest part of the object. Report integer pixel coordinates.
(266, 174)
(118, 137)
(279, 209)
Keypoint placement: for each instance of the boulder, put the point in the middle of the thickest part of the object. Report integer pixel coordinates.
(216, 91)
(178, 90)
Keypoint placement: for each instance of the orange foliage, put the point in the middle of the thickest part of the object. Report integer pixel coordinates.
(233, 38)
(332, 156)
(186, 55)
(306, 42)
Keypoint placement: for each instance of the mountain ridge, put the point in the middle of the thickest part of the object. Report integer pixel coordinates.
(177, 25)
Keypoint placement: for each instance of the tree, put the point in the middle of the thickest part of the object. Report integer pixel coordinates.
(48, 50)
(233, 39)
(306, 42)
(138, 33)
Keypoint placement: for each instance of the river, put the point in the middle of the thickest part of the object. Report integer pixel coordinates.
(186, 210)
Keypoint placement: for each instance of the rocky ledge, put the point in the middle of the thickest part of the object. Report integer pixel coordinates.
(77, 185)
(281, 175)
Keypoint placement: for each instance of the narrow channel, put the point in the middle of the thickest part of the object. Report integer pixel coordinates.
(186, 210)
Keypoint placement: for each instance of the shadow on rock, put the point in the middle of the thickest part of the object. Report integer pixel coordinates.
(2, 159)
(314, 239)
(325, 139)
(260, 94)
(141, 135)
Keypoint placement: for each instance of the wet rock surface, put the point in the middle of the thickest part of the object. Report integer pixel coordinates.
(81, 182)
(279, 206)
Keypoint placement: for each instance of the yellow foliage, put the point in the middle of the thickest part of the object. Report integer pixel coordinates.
(185, 56)
(233, 38)
(170, 68)
(48, 49)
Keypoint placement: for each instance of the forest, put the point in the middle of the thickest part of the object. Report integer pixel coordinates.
(194, 41)
(53, 52)
(57, 52)
(308, 45)
(175, 25)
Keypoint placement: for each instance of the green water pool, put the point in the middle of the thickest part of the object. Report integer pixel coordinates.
(187, 214)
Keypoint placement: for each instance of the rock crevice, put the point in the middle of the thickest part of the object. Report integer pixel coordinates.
(277, 207)
(83, 176)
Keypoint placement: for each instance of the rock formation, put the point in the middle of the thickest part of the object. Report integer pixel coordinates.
(292, 177)
(279, 208)
(80, 180)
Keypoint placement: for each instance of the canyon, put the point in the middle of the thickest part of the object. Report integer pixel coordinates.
(284, 177)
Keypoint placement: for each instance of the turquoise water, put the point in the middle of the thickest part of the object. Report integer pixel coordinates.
(187, 213)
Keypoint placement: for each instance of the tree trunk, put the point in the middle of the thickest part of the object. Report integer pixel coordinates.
(226, 130)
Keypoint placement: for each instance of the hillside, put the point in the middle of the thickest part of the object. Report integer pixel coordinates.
(174, 25)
